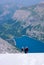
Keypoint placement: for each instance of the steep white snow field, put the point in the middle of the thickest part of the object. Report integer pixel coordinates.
(22, 59)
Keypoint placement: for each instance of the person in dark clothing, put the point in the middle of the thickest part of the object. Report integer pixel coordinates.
(24, 49)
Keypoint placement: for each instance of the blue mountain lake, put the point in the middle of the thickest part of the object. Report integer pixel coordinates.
(34, 46)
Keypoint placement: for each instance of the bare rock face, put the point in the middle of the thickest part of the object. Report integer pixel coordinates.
(6, 47)
(21, 14)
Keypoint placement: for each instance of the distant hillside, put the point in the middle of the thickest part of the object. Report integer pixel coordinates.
(24, 21)
(6, 47)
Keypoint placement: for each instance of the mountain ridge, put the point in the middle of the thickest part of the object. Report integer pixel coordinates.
(6, 47)
(27, 21)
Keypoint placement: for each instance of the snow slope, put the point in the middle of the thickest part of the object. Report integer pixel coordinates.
(22, 59)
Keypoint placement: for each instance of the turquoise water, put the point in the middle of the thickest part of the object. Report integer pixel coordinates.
(34, 46)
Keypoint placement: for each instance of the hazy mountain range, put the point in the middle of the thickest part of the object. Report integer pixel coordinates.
(17, 21)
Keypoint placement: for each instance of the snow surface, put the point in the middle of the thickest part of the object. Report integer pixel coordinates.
(22, 59)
